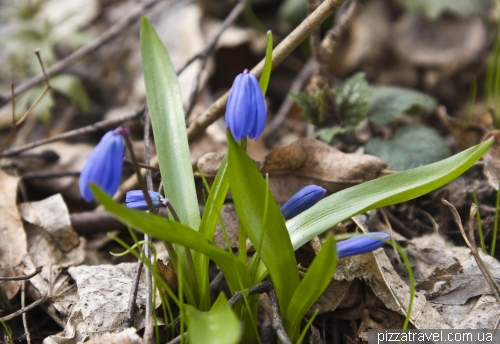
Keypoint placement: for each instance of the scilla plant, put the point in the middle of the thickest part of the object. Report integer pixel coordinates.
(275, 233)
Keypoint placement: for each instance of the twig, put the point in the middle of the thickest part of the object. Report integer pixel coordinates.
(129, 319)
(146, 166)
(114, 31)
(23, 304)
(49, 175)
(149, 326)
(233, 15)
(88, 129)
(22, 278)
(296, 86)
(25, 309)
(18, 123)
(486, 273)
(315, 37)
(388, 224)
(92, 222)
(276, 318)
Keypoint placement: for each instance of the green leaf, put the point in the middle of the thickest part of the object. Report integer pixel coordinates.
(351, 99)
(248, 189)
(268, 64)
(393, 189)
(169, 126)
(312, 104)
(410, 147)
(233, 269)
(218, 326)
(434, 8)
(388, 103)
(209, 220)
(314, 283)
(71, 86)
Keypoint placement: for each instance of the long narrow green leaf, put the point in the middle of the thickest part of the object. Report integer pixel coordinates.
(268, 64)
(248, 191)
(207, 229)
(396, 188)
(169, 126)
(317, 278)
(218, 326)
(235, 272)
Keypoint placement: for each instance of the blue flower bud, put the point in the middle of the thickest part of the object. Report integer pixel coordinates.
(104, 164)
(361, 244)
(302, 200)
(246, 108)
(135, 200)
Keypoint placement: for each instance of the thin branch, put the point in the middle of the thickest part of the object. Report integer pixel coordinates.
(23, 304)
(129, 319)
(146, 166)
(486, 273)
(233, 15)
(18, 123)
(25, 309)
(72, 133)
(22, 278)
(277, 319)
(114, 31)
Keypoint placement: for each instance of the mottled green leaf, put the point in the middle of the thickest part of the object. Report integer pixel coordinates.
(434, 8)
(351, 99)
(410, 147)
(72, 87)
(388, 103)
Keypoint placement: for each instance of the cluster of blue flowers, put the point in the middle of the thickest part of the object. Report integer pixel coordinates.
(245, 117)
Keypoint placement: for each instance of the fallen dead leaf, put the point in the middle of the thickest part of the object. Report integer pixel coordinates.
(103, 294)
(127, 336)
(466, 134)
(491, 161)
(308, 161)
(13, 244)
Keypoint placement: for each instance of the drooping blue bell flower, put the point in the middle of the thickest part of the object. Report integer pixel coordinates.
(135, 200)
(104, 164)
(361, 244)
(246, 112)
(304, 199)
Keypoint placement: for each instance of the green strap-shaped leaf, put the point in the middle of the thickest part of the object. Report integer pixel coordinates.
(248, 189)
(169, 126)
(207, 229)
(396, 188)
(235, 271)
(218, 326)
(268, 64)
(318, 277)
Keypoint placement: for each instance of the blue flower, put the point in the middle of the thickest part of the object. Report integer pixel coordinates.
(302, 200)
(361, 244)
(104, 164)
(135, 200)
(246, 108)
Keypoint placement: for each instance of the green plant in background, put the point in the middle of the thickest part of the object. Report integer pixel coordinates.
(260, 218)
(24, 29)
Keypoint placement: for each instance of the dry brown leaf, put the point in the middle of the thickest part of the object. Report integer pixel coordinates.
(308, 161)
(103, 293)
(127, 336)
(466, 134)
(13, 244)
(52, 215)
(491, 161)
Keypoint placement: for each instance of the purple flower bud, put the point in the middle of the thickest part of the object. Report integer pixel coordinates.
(246, 108)
(361, 244)
(104, 165)
(302, 200)
(135, 200)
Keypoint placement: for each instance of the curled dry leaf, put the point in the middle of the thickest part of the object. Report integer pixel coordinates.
(52, 245)
(13, 245)
(308, 161)
(102, 305)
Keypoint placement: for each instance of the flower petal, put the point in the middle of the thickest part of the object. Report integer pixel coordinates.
(304, 199)
(361, 244)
